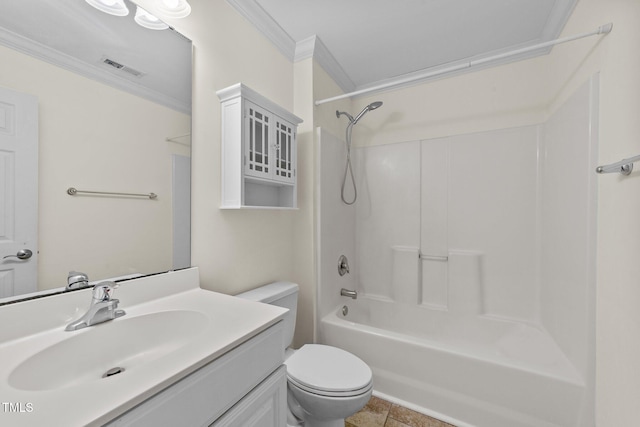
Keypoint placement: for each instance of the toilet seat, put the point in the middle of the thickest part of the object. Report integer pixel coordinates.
(328, 371)
(325, 393)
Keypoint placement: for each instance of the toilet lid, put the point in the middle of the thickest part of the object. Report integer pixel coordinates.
(328, 370)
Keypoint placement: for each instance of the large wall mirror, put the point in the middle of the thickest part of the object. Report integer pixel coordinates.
(98, 103)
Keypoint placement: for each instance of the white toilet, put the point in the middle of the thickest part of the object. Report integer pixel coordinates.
(324, 384)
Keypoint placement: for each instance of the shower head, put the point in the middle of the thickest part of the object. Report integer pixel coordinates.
(364, 111)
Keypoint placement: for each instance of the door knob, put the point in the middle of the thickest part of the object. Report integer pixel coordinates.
(22, 254)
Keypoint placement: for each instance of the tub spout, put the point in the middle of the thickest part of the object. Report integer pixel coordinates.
(348, 293)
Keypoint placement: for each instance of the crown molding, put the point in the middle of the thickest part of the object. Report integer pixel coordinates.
(91, 71)
(264, 23)
(305, 48)
(558, 18)
(240, 90)
(312, 47)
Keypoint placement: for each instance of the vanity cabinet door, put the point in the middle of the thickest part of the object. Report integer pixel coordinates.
(265, 406)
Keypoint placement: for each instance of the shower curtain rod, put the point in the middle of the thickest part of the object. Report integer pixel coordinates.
(603, 29)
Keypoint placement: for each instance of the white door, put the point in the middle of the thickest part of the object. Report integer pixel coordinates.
(18, 193)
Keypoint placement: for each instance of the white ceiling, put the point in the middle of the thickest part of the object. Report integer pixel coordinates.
(373, 41)
(360, 43)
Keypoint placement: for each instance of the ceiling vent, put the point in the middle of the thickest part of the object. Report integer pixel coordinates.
(122, 68)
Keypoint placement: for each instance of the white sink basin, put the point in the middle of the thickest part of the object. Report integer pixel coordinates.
(124, 343)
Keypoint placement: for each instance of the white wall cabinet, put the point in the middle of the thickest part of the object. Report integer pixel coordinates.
(258, 151)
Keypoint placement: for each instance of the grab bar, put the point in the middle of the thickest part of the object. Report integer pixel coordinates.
(624, 166)
(433, 257)
(72, 192)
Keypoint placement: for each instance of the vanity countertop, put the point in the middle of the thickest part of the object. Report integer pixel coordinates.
(53, 377)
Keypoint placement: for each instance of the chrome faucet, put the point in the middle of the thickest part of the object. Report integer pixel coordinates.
(348, 293)
(102, 309)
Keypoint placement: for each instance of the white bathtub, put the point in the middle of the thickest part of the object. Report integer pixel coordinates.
(470, 371)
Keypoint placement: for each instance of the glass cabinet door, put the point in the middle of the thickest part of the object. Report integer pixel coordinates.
(257, 142)
(284, 154)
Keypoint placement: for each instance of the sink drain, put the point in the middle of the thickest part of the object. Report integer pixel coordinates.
(113, 371)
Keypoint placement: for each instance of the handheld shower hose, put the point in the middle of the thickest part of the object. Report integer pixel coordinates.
(348, 169)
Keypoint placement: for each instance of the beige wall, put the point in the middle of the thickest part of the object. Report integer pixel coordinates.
(501, 97)
(325, 115)
(95, 137)
(618, 270)
(311, 82)
(303, 226)
(237, 250)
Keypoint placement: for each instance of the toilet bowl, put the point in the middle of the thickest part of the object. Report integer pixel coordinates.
(325, 384)
(311, 410)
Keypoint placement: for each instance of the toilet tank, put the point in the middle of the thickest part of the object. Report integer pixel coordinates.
(281, 294)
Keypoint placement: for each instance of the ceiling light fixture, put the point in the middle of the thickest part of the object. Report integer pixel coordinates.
(147, 20)
(112, 7)
(174, 8)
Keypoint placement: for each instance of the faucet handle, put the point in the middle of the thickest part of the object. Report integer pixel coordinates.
(343, 265)
(76, 279)
(102, 291)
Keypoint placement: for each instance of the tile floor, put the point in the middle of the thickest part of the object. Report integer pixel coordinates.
(380, 413)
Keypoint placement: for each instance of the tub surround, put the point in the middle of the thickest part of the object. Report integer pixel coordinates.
(473, 254)
(33, 327)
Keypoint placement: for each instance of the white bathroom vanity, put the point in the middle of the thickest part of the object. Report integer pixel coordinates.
(180, 355)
